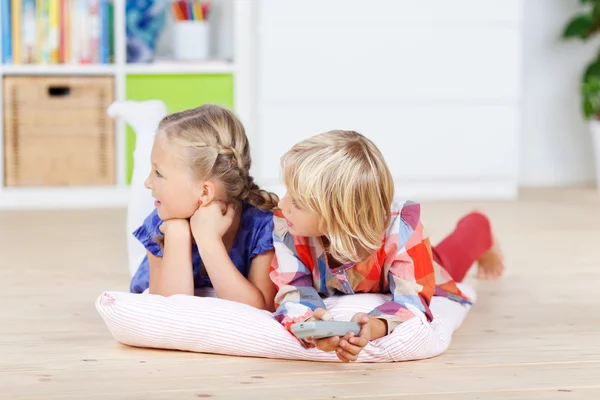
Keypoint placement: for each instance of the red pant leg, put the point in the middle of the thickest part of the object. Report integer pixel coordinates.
(471, 238)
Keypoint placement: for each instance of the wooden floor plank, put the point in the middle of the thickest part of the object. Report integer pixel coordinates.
(533, 335)
(343, 382)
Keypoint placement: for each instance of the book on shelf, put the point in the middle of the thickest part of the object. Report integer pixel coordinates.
(57, 31)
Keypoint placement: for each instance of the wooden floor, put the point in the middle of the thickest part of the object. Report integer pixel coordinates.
(534, 335)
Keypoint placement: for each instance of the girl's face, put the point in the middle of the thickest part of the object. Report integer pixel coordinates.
(301, 222)
(170, 183)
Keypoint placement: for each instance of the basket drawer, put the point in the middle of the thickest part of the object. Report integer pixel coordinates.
(57, 132)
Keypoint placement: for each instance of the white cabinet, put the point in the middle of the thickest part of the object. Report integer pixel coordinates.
(435, 84)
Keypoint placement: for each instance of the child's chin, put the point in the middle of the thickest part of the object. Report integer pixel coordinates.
(162, 214)
(292, 230)
(166, 214)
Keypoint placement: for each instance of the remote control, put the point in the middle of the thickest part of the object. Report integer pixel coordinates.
(324, 329)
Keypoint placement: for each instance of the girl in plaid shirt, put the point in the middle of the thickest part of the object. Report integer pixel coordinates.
(339, 230)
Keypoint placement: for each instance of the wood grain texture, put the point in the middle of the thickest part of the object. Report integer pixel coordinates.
(533, 335)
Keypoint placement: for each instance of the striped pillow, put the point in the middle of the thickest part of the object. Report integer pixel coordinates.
(211, 325)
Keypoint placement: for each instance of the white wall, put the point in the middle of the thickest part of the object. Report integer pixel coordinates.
(555, 144)
(435, 84)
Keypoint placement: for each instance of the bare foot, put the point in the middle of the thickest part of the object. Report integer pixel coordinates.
(491, 263)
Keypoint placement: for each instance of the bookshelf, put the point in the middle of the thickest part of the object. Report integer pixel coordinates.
(231, 73)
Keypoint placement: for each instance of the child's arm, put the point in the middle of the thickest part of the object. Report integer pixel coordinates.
(228, 282)
(172, 273)
(209, 225)
(296, 299)
(259, 277)
(409, 267)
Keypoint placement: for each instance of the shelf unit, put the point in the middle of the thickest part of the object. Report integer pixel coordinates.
(240, 69)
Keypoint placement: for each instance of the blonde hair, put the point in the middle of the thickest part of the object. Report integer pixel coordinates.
(342, 177)
(215, 145)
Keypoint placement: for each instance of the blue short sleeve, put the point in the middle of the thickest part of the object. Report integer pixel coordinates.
(148, 232)
(263, 235)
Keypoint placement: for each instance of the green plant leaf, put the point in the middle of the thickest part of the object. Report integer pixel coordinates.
(581, 26)
(596, 11)
(587, 109)
(590, 96)
(592, 70)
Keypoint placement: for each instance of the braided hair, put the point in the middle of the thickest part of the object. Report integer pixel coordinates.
(215, 146)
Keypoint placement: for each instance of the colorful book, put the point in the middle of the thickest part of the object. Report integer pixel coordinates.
(57, 31)
(16, 14)
(6, 25)
(75, 33)
(44, 41)
(94, 31)
(54, 32)
(83, 18)
(111, 31)
(29, 32)
(103, 45)
(65, 25)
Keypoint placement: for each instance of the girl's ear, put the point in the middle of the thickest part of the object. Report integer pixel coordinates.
(207, 192)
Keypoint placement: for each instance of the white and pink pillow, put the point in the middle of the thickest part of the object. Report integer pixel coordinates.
(211, 325)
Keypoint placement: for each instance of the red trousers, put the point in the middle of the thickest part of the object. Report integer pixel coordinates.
(471, 238)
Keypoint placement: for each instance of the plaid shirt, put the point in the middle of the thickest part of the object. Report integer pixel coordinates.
(403, 266)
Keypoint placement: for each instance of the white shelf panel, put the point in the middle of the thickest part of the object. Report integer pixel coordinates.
(64, 197)
(60, 69)
(173, 67)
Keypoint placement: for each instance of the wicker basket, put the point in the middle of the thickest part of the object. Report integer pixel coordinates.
(57, 132)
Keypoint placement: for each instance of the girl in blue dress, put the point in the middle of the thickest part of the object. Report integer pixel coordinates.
(212, 225)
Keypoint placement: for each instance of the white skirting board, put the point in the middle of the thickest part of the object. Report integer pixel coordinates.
(63, 198)
(448, 189)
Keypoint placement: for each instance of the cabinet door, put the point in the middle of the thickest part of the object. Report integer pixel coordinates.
(178, 92)
(434, 84)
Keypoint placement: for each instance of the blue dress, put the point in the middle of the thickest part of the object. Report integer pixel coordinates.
(254, 237)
